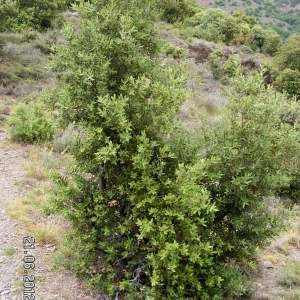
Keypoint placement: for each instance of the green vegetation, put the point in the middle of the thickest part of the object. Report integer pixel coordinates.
(289, 81)
(30, 123)
(158, 210)
(165, 221)
(289, 54)
(281, 15)
(223, 67)
(291, 277)
(287, 66)
(218, 26)
(16, 15)
(177, 10)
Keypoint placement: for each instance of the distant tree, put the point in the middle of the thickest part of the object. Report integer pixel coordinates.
(177, 10)
(257, 37)
(289, 81)
(288, 55)
(272, 42)
(16, 15)
(214, 25)
(287, 66)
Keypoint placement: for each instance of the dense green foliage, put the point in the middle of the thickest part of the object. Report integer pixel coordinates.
(16, 15)
(264, 40)
(289, 81)
(157, 219)
(287, 65)
(219, 26)
(214, 25)
(255, 150)
(177, 10)
(223, 67)
(30, 123)
(282, 15)
(289, 54)
(8, 13)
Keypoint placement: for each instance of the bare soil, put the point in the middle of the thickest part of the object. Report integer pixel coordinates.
(50, 284)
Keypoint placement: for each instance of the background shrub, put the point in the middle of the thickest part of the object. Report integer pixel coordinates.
(289, 81)
(214, 25)
(8, 14)
(223, 67)
(272, 42)
(287, 67)
(288, 55)
(177, 10)
(255, 152)
(31, 123)
(16, 15)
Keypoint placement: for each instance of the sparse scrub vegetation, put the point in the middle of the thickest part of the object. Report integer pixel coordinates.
(157, 210)
(223, 68)
(154, 241)
(218, 26)
(291, 277)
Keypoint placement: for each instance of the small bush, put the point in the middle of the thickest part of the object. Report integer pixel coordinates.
(224, 68)
(257, 37)
(215, 60)
(31, 124)
(174, 52)
(8, 13)
(214, 25)
(289, 81)
(231, 66)
(288, 56)
(177, 10)
(16, 15)
(272, 42)
(68, 139)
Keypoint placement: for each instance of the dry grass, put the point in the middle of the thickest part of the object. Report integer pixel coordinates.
(50, 232)
(205, 101)
(282, 280)
(291, 275)
(41, 162)
(23, 63)
(20, 210)
(33, 210)
(9, 251)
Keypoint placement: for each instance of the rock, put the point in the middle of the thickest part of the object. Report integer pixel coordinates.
(250, 63)
(71, 14)
(267, 264)
(201, 50)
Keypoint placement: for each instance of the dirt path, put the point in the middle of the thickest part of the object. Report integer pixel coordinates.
(272, 270)
(206, 94)
(10, 235)
(50, 285)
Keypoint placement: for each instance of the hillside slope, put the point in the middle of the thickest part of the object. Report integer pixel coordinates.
(281, 15)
